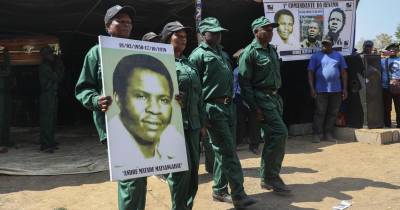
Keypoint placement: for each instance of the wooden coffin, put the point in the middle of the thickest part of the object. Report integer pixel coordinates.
(25, 50)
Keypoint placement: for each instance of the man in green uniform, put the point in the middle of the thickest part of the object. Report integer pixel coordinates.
(260, 79)
(217, 79)
(5, 102)
(51, 72)
(88, 90)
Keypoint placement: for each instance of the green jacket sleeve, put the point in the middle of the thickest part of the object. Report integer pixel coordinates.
(60, 70)
(197, 62)
(245, 77)
(88, 89)
(46, 74)
(5, 65)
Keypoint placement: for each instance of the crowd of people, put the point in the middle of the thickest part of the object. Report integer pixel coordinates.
(206, 95)
(216, 100)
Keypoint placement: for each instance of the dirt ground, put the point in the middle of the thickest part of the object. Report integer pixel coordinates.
(320, 176)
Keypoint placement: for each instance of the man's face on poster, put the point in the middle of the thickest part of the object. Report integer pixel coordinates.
(313, 30)
(335, 22)
(147, 105)
(285, 27)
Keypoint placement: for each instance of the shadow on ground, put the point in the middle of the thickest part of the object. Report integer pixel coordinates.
(254, 172)
(11, 184)
(316, 192)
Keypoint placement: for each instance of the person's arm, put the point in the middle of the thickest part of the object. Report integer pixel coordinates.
(343, 74)
(46, 73)
(86, 88)
(311, 80)
(196, 62)
(311, 76)
(60, 68)
(195, 59)
(344, 77)
(245, 76)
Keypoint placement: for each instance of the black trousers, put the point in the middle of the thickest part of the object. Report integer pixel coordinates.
(326, 109)
(246, 125)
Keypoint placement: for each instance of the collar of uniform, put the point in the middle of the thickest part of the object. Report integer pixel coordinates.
(181, 59)
(206, 46)
(257, 45)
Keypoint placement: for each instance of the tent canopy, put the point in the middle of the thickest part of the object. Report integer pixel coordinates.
(86, 16)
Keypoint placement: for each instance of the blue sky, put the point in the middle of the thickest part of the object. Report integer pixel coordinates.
(377, 16)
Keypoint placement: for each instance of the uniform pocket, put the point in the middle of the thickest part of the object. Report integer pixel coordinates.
(214, 112)
(262, 61)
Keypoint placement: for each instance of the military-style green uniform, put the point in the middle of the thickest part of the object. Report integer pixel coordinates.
(259, 78)
(5, 101)
(50, 75)
(89, 88)
(217, 79)
(183, 185)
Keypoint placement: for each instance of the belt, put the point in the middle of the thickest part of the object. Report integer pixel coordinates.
(220, 100)
(267, 90)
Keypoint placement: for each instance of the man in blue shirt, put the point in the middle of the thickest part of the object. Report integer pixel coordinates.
(327, 77)
(392, 63)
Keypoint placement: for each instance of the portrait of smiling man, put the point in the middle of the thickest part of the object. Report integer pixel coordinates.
(143, 91)
(285, 19)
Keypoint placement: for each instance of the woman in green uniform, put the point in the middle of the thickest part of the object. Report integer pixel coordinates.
(183, 185)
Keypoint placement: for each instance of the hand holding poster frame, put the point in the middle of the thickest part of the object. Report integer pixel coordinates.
(304, 23)
(144, 123)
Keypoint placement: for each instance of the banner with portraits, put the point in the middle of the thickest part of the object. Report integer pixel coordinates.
(303, 24)
(144, 122)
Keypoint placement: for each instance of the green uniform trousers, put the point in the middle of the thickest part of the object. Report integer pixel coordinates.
(209, 154)
(5, 112)
(227, 168)
(183, 185)
(132, 194)
(275, 135)
(48, 117)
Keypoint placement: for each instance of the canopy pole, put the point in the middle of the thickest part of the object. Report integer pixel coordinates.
(198, 19)
(87, 15)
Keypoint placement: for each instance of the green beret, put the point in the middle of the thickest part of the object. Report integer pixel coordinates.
(262, 21)
(210, 24)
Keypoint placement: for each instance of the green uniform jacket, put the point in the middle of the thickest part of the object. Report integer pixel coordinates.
(89, 88)
(190, 86)
(258, 69)
(49, 77)
(5, 66)
(214, 69)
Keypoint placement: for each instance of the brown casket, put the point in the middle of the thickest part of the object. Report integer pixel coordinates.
(25, 50)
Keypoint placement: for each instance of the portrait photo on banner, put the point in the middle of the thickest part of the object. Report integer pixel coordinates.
(144, 123)
(303, 23)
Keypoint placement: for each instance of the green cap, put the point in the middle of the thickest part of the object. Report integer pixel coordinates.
(262, 21)
(210, 24)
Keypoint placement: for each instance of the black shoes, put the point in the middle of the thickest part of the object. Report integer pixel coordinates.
(222, 197)
(243, 201)
(277, 185)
